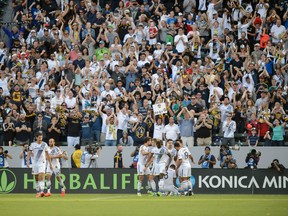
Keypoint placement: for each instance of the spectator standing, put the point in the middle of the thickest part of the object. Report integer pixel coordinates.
(203, 129)
(186, 127)
(118, 157)
(229, 128)
(171, 131)
(23, 130)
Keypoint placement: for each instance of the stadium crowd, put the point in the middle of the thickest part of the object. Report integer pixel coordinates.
(86, 71)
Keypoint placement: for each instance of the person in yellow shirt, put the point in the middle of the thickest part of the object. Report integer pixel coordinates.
(76, 157)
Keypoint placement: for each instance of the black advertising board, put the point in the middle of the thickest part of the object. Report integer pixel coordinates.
(205, 181)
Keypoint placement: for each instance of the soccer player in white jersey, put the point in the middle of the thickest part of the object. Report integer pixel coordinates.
(184, 167)
(55, 154)
(39, 151)
(142, 169)
(153, 168)
(170, 181)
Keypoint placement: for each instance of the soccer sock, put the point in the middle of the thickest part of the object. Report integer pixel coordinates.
(149, 185)
(37, 187)
(183, 187)
(153, 185)
(61, 184)
(41, 184)
(161, 185)
(48, 184)
(139, 185)
(189, 185)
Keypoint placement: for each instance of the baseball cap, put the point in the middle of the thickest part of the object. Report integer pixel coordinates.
(180, 14)
(101, 42)
(148, 92)
(215, 12)
(169, 43)
(257, 44)
(242, 46)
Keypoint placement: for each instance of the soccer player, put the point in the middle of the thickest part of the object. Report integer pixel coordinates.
(184, 167)
(170, 181)
(161, 156)
(142, 169)
(55, 154)
(39, 151)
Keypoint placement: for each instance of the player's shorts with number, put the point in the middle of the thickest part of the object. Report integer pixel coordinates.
(184, 171)
(38, 168)
(140, 170)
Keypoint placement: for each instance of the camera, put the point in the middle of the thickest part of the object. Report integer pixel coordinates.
(94, 148)
(5, 152)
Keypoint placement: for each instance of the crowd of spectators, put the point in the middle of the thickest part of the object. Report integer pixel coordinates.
(90, 70)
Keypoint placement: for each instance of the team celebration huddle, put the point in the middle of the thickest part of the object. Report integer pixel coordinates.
(45, 161)
(168, 162)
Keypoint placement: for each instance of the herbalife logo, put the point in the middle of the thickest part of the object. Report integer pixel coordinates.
(7, 181)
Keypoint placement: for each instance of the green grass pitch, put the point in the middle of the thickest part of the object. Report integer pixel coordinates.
(127, 204)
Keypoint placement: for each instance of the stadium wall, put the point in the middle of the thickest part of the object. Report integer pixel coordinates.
(106, 158)
(216, 181)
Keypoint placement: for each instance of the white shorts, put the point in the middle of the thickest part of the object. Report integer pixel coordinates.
(155, 170)
(56, 170)
(162, 168)
(140, 170)
(38, 168)
(184, 171)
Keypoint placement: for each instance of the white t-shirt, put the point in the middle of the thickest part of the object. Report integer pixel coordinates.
(3, 85)
(158, 131)
(180, 47)
(122, 120)
(171, 131)
(71, 103)
(278, 32)
(111, 132)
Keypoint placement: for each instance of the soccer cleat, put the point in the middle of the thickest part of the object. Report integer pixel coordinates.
(37, 195)
(42, 194)
(149, 192)
(63, 193)
(159, 193)
(47, 194)
(139, 194)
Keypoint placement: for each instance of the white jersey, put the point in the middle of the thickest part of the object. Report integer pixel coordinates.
(183, 154)
(169, 177)
(143, 158)
(155, 152)
(55, 151)
(39, 152)
(173, 153)
(163, 155)
(86, 159)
